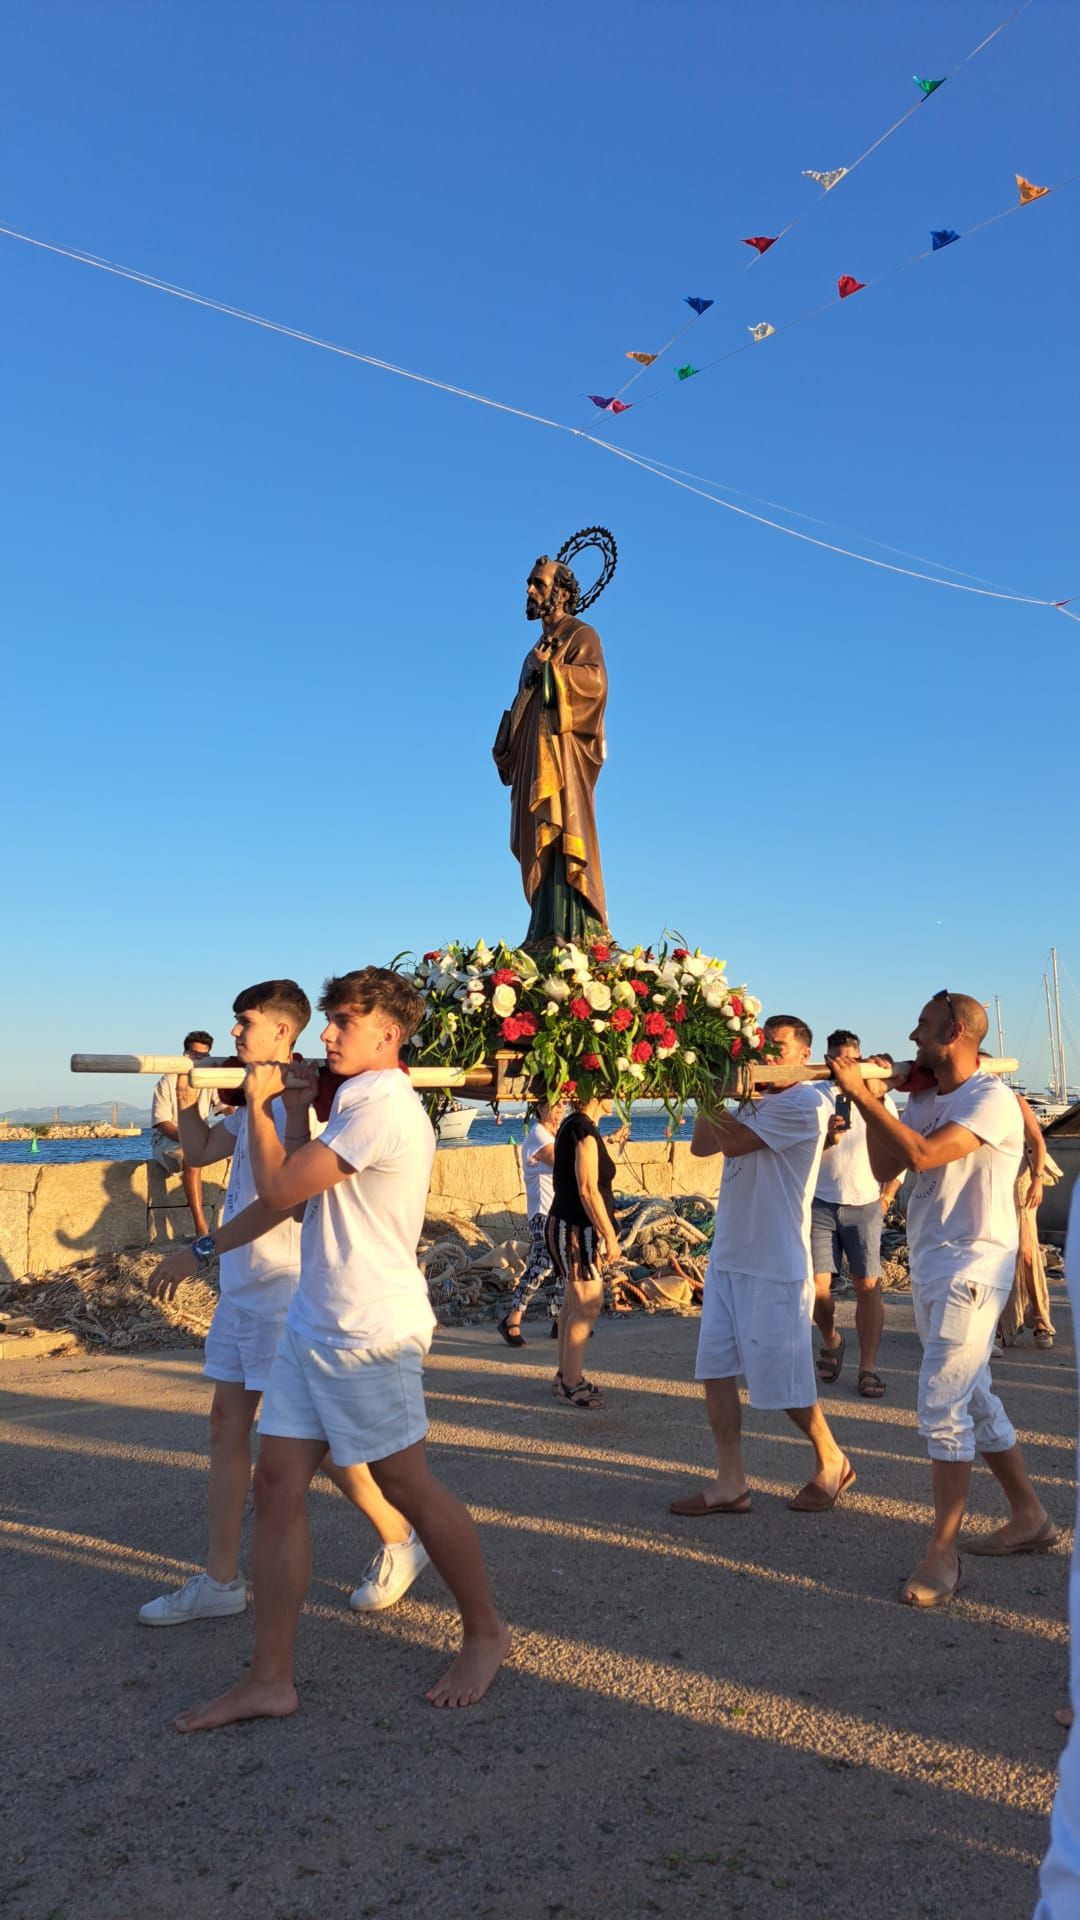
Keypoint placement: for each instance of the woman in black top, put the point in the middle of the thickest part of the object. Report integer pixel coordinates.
(580, 1236)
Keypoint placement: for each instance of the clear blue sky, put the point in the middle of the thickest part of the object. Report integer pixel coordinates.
(264, 607)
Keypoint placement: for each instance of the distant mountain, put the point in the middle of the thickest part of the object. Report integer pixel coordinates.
(127, 1115)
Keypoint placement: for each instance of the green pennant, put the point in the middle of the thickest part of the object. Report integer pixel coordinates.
(685, 373)
(928, 86)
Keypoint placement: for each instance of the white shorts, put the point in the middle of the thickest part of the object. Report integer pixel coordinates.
(365, 1404)
(958, 1409)
(759, 1327)
(240, 1346)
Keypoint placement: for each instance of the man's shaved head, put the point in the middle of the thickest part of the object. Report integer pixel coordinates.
(971, 1016)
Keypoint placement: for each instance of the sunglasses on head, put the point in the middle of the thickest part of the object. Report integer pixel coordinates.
(945, 995)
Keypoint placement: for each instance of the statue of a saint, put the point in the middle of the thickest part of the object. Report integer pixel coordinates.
(549, 752)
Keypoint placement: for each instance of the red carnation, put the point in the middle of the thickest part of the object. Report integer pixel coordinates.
(669, 1037)
(433, 956)
(641, 1051)
(505, 977)
(679, 1013)
(621, 1019)
(736, 1046)
(524, 1026)
(655, 1022)
(640, 989)
(568, 1089)
(511, 1027)
(591, 1062)
(681, 953)
(600, 952)
(580, 1008)
(735, 1003)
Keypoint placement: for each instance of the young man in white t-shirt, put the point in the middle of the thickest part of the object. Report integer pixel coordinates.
(845, 1220)
(537, 1160)
(258, 1250)
(348, 1373)
(962, 1134)
(756, 1315)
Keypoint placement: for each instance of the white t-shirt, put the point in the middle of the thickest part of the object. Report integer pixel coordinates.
(962, 1217)
(845, 1177)
(261, 1277)
(763, 1212)
(360, 1285)
(164, 1107)
(539, 1183)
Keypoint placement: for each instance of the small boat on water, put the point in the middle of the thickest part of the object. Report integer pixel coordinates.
(455, 1122)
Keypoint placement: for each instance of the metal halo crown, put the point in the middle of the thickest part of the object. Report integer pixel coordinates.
(604, 541)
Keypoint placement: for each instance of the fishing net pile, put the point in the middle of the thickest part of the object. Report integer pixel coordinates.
(104, 1303)
(665, 1244)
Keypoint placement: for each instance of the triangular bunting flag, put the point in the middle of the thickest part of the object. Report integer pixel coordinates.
(686, 373)
(944, 237)
(621, 406)
(699, 306)
(643, 359)
(825, 180)
(847, 285)
(762, 330)
(609, 404)
(928, 86)
(761, 241)
(1028, 191)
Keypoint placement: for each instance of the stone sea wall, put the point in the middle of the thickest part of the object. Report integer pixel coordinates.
(52, 1216)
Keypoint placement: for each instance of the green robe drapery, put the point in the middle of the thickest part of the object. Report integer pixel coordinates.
(549, 753)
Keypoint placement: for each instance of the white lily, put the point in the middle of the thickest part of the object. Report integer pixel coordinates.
(556, 989)
(665, 1053)
(552, 1007)
(695, 966)
(624, 994)
(623, 1063)
(734, 1023)
(714, 993)
(637, 1070)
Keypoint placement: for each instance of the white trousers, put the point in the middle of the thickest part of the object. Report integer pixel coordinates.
(958, 1409)
(1059, 1879)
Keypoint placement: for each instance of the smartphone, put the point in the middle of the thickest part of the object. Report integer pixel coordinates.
(843, 1111)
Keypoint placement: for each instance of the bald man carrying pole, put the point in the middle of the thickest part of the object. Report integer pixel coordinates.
(962, 1134)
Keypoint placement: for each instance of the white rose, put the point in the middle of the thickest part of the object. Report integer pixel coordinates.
(637, 1070)
(598, 995)
(694, 966)
(556, 989)
(504, 1000)
(660, 999)
(733, 1023)
(599, 1026)
(689, 1057)
(623, 1063)
(624, 993)
(749, 1027)
(756, 1042)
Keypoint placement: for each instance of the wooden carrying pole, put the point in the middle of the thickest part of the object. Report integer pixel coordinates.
(501, 1079)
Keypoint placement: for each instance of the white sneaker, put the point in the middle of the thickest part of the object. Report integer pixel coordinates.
(198, 1599)
(389, 1576)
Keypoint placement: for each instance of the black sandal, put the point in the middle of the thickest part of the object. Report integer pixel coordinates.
(871, 1385)
(829, 1362)
(512, 1339)
(584, 1395)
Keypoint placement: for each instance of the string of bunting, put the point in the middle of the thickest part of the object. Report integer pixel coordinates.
(846, 286)
(155, 284)
(761, 243)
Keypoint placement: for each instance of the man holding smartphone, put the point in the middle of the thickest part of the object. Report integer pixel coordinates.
(849, 1206)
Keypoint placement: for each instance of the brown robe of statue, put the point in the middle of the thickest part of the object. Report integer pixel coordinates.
(549, 753)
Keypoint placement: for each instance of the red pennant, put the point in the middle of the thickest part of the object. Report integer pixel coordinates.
(621, 406)
(846, 286)
(762, 242)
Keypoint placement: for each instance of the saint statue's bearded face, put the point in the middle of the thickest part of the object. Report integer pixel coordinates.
(543, 599)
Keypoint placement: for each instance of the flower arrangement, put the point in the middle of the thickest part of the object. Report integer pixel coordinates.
(601, 1020)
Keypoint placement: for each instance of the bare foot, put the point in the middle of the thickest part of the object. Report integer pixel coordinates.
(469, 1676)
(250, 1699)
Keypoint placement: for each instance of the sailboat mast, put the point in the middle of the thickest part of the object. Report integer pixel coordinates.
(1063, 1083)
(1052, 1081)
(1000, 1028)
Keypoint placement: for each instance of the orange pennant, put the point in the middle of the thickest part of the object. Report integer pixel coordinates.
(644, 359)
(1028, 191)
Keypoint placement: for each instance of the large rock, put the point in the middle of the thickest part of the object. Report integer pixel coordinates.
(88, 1207)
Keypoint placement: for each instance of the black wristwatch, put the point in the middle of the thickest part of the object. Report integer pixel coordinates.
(204, 1249)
